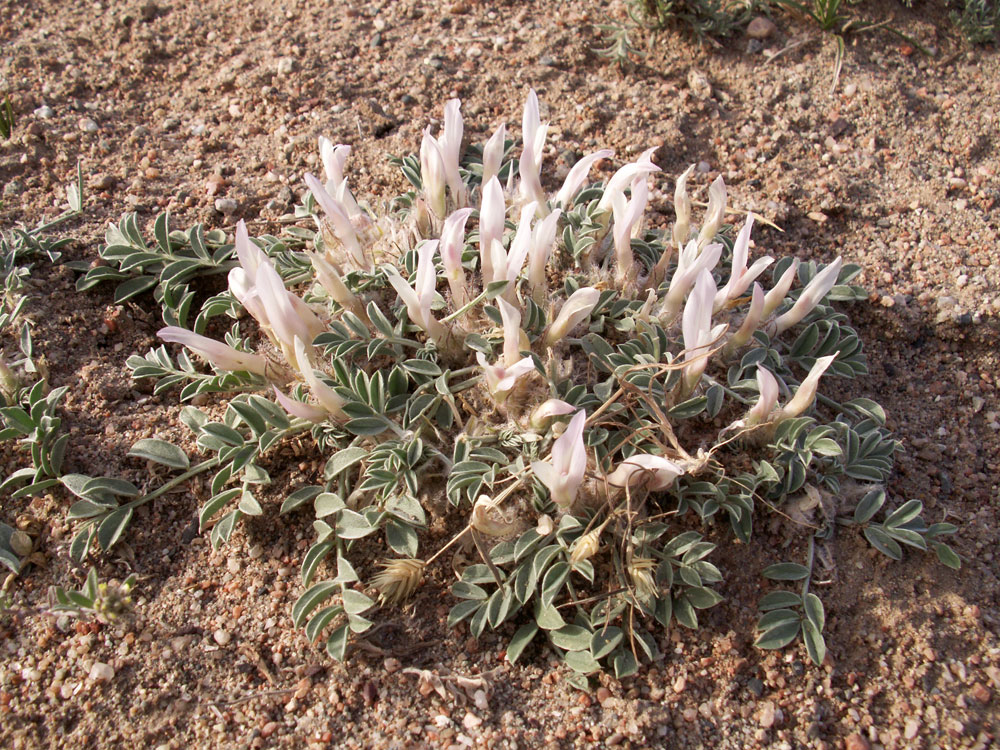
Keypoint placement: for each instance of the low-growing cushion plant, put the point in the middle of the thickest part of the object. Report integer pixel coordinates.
(584, 400)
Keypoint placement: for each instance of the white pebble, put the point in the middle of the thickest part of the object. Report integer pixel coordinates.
(101, 672)
(221, 637)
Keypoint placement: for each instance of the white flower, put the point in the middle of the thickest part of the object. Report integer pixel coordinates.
(340, 222)
(221, 355)
(564, 472)
(740, 276)
(691, 261)
(451, 150)
(767, 387)
(696, 329)
(491, 218)
(432, 173)
(646, 470)
(452, 245)
(577, 176)
(777, 294)
(543, 415)
(543, 236)
(811, 296)
(493, 153)
(715, 213)
(806, 392)
(624, 177)
(530, 164)
(574, 311)
(682, 208)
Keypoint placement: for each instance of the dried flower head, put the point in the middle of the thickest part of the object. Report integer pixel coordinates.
(399, 579)
(586, 546)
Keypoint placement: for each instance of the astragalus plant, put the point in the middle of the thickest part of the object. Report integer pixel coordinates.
(582, 400)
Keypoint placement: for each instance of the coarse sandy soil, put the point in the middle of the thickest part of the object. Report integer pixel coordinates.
(175, 105)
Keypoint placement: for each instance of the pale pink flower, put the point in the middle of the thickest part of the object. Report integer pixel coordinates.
(452, 245)
(324, 394)
(627, 217)
(645, 470)
(491, 218)
(340, 222)
(514, 339)
(806, 392)
(740, 276)
(767, 387)
(519, 247)
(287, 315)
(564, 472)
(548, 410)
(543, 236)
(530, 164)
(691, 261)
(625, 176)
(451, 150)
(750, 322)
(715, 213)
(696, 329)
(682, 209)
(432, 173)
(811, 296)
(334, 158)
(299, 409)
(573, 312)
(418, 300)
(577, 176)
(777, 293)
(500, 379)
(215, 352)
(493, 153)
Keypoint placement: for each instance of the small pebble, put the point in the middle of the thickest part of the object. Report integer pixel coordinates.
(471, 721)
(87, 125)
(222, 637)
(285, 66)
(761, 28)
(226, 206)
(101, 672)
(45, 112)
(766, 716)
(856, 742)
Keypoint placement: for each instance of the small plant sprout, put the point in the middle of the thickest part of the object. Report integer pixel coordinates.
(548, 374)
